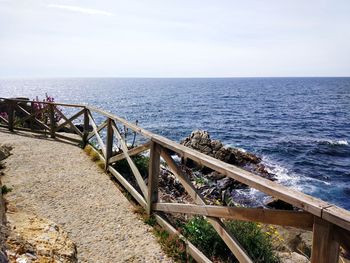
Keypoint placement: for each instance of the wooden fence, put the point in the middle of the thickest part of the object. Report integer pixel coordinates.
(329, 223)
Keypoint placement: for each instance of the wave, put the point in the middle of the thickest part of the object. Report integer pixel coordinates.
(283, 175)
(288, 178)
(333, 142)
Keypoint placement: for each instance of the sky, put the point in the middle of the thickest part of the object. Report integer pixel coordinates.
(163, 38)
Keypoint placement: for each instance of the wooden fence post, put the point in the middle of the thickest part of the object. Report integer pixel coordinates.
(109, 142)
(153, 176)
(32, 111)
(11, 114)
(324, 248)
(52, 120)
(86, 128)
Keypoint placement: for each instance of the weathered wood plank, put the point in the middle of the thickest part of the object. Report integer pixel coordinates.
(11, 114)
(342, 236)
(305, 202)
(70, 121)
(296, 198)
(153, 176)
(337, 215)
(34, 119)
(191, 249)
(135, 171)
(86, 128)
(109, 142)
(4, 120)
(128, 187)
(324, 248)
(32, 114)
(131, 152)
(52, 121)
(302, 220)
(230, 241)
(220, 228)
(186, 183)
(46, 103)
(99, 128)
(61, 136)
(99, 140)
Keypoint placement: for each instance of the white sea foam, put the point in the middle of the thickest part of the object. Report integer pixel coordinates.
(334, 142)
(291, 179)
(342, 142)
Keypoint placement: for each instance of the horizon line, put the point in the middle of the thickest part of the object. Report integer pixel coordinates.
(167, 77)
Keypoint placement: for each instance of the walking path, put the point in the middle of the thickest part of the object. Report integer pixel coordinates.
(58, 181)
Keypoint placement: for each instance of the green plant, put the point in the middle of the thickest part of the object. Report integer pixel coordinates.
(203, 235)
(94, 156)
(172, 245)
(201, 180)
(139, 160)
(101, 164)
(250, 236)
(88, 149)
(5, 189)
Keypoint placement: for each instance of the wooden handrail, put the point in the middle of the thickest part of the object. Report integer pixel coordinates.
(330, 224)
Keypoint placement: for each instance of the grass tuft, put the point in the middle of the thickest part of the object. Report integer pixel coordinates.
(101, 164)
(88, 149)
(5, 189)
(94, 156)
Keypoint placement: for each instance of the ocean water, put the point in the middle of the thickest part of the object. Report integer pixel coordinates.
(299, 126)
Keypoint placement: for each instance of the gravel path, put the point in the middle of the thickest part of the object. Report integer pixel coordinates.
(58, 181)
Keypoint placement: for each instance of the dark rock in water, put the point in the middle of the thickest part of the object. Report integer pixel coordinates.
(200, 141)
(225, 183)
(278, 204)
(215, 175)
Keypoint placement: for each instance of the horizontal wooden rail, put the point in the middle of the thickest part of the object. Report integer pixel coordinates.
(45, 102)
(131, 152)
(329, 223)
(302, 220)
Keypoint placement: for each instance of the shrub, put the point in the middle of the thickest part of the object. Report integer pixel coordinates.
(139, 160)
(5, 189)
(203, 235)
(88, 149)
(172, 245)
(250, 236)
(101, 164)
(44, 116)
(94, 156)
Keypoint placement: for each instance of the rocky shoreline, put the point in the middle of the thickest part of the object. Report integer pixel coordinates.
(215, 187)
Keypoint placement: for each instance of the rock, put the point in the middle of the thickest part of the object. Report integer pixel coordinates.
(5, 151)
(200, 141)
(293, 257)
(225, 183)
(215, 175)
(37, 238)
(278, 204)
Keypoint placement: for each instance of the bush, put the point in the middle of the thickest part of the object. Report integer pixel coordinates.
(172, 245)
(5, 189)
(200, 232)
(257, 244)
(139, 160)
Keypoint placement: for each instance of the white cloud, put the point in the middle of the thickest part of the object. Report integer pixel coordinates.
(82, 10)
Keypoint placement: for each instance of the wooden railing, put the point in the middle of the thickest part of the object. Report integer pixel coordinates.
(329, 223)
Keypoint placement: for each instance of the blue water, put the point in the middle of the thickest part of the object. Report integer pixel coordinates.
(300, 126)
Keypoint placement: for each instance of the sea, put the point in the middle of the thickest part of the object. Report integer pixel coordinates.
(300, 127)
